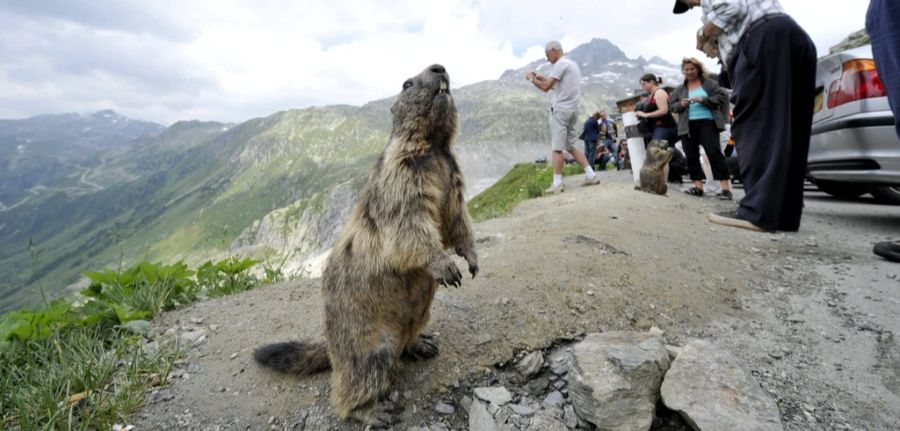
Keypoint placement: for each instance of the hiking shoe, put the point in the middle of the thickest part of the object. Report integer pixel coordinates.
(733, 219)
(725, 195)
(559, 188)
(593, 181)
(889, 250)
(693, 191)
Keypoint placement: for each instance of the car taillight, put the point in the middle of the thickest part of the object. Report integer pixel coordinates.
(858, 81)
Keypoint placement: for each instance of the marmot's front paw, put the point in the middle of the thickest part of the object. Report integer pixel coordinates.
(446, 272)
(471, 259)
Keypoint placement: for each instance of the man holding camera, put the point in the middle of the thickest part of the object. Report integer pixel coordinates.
(772, 65)
(565, 80)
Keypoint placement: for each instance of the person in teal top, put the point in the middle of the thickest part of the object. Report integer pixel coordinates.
(702, 107)
(699, 111)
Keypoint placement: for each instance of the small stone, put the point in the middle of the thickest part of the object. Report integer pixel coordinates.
(539, 384)
(590, 293)
(197, 320)
(466, 403)
(559, 366)
(656, 331)
(501, 416)
(531, 364)
(233, 355)
(559, 384)
(553, 399)
(445, 409)
(673, 351)
(497, 395)
(570, 417)
(192, 338)
(522, 409)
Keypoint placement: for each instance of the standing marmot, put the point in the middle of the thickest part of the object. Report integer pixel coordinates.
(382, 273)
(655, 171)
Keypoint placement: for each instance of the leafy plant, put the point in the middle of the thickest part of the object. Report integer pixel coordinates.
(84, 365)
(143, 290)
(227, 276)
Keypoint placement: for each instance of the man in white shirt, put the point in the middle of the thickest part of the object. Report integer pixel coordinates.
(772, 65)
(565, 80)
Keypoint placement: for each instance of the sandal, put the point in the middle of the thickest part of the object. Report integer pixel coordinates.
(693, 191)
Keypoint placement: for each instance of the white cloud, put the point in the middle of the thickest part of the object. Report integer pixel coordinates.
(231, 60)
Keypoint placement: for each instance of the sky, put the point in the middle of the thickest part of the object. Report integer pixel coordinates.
(233, 60)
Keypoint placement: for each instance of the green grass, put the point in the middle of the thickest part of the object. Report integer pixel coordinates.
(524, 181)
(88, 364)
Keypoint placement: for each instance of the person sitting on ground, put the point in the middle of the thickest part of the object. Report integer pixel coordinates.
(698, 102)
(605, 157)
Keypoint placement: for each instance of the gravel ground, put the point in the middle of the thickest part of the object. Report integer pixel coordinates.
(812, 314)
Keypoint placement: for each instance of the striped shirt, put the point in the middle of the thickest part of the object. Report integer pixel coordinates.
(734, 17)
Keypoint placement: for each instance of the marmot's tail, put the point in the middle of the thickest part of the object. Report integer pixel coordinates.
(294, 357)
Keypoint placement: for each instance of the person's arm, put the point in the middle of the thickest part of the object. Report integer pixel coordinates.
(662, 102)
(542, 82)
(716, 95)
(723, 15)
(678, 103)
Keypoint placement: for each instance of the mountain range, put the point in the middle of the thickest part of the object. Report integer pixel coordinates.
(81, 193)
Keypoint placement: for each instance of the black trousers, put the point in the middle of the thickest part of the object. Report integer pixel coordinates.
(704, 133)
(773, 78)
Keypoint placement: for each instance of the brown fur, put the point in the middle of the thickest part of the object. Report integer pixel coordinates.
(655, 171)
(381, 276)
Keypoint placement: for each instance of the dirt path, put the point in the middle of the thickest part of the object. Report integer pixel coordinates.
(808, 313)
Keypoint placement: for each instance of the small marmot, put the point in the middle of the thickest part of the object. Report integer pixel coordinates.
(655, 171)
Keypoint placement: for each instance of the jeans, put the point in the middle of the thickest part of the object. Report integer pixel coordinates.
(590, 151)
(668, 134)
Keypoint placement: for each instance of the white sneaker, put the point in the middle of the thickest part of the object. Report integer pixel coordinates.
(559, 188)
(591, 181)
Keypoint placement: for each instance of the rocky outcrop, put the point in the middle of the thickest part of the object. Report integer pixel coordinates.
(614, 379)
(711, 391)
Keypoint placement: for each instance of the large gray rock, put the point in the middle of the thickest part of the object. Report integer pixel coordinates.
(711, 391)
(614, 379)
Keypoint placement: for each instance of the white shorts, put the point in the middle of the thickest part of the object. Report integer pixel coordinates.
(562, 130)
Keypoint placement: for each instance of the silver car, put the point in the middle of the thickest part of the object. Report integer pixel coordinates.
(854, 148)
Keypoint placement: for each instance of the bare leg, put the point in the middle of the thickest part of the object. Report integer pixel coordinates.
(579, 157)
(558, 161)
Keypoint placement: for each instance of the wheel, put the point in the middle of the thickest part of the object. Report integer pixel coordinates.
(841, 190)
(886, 194)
